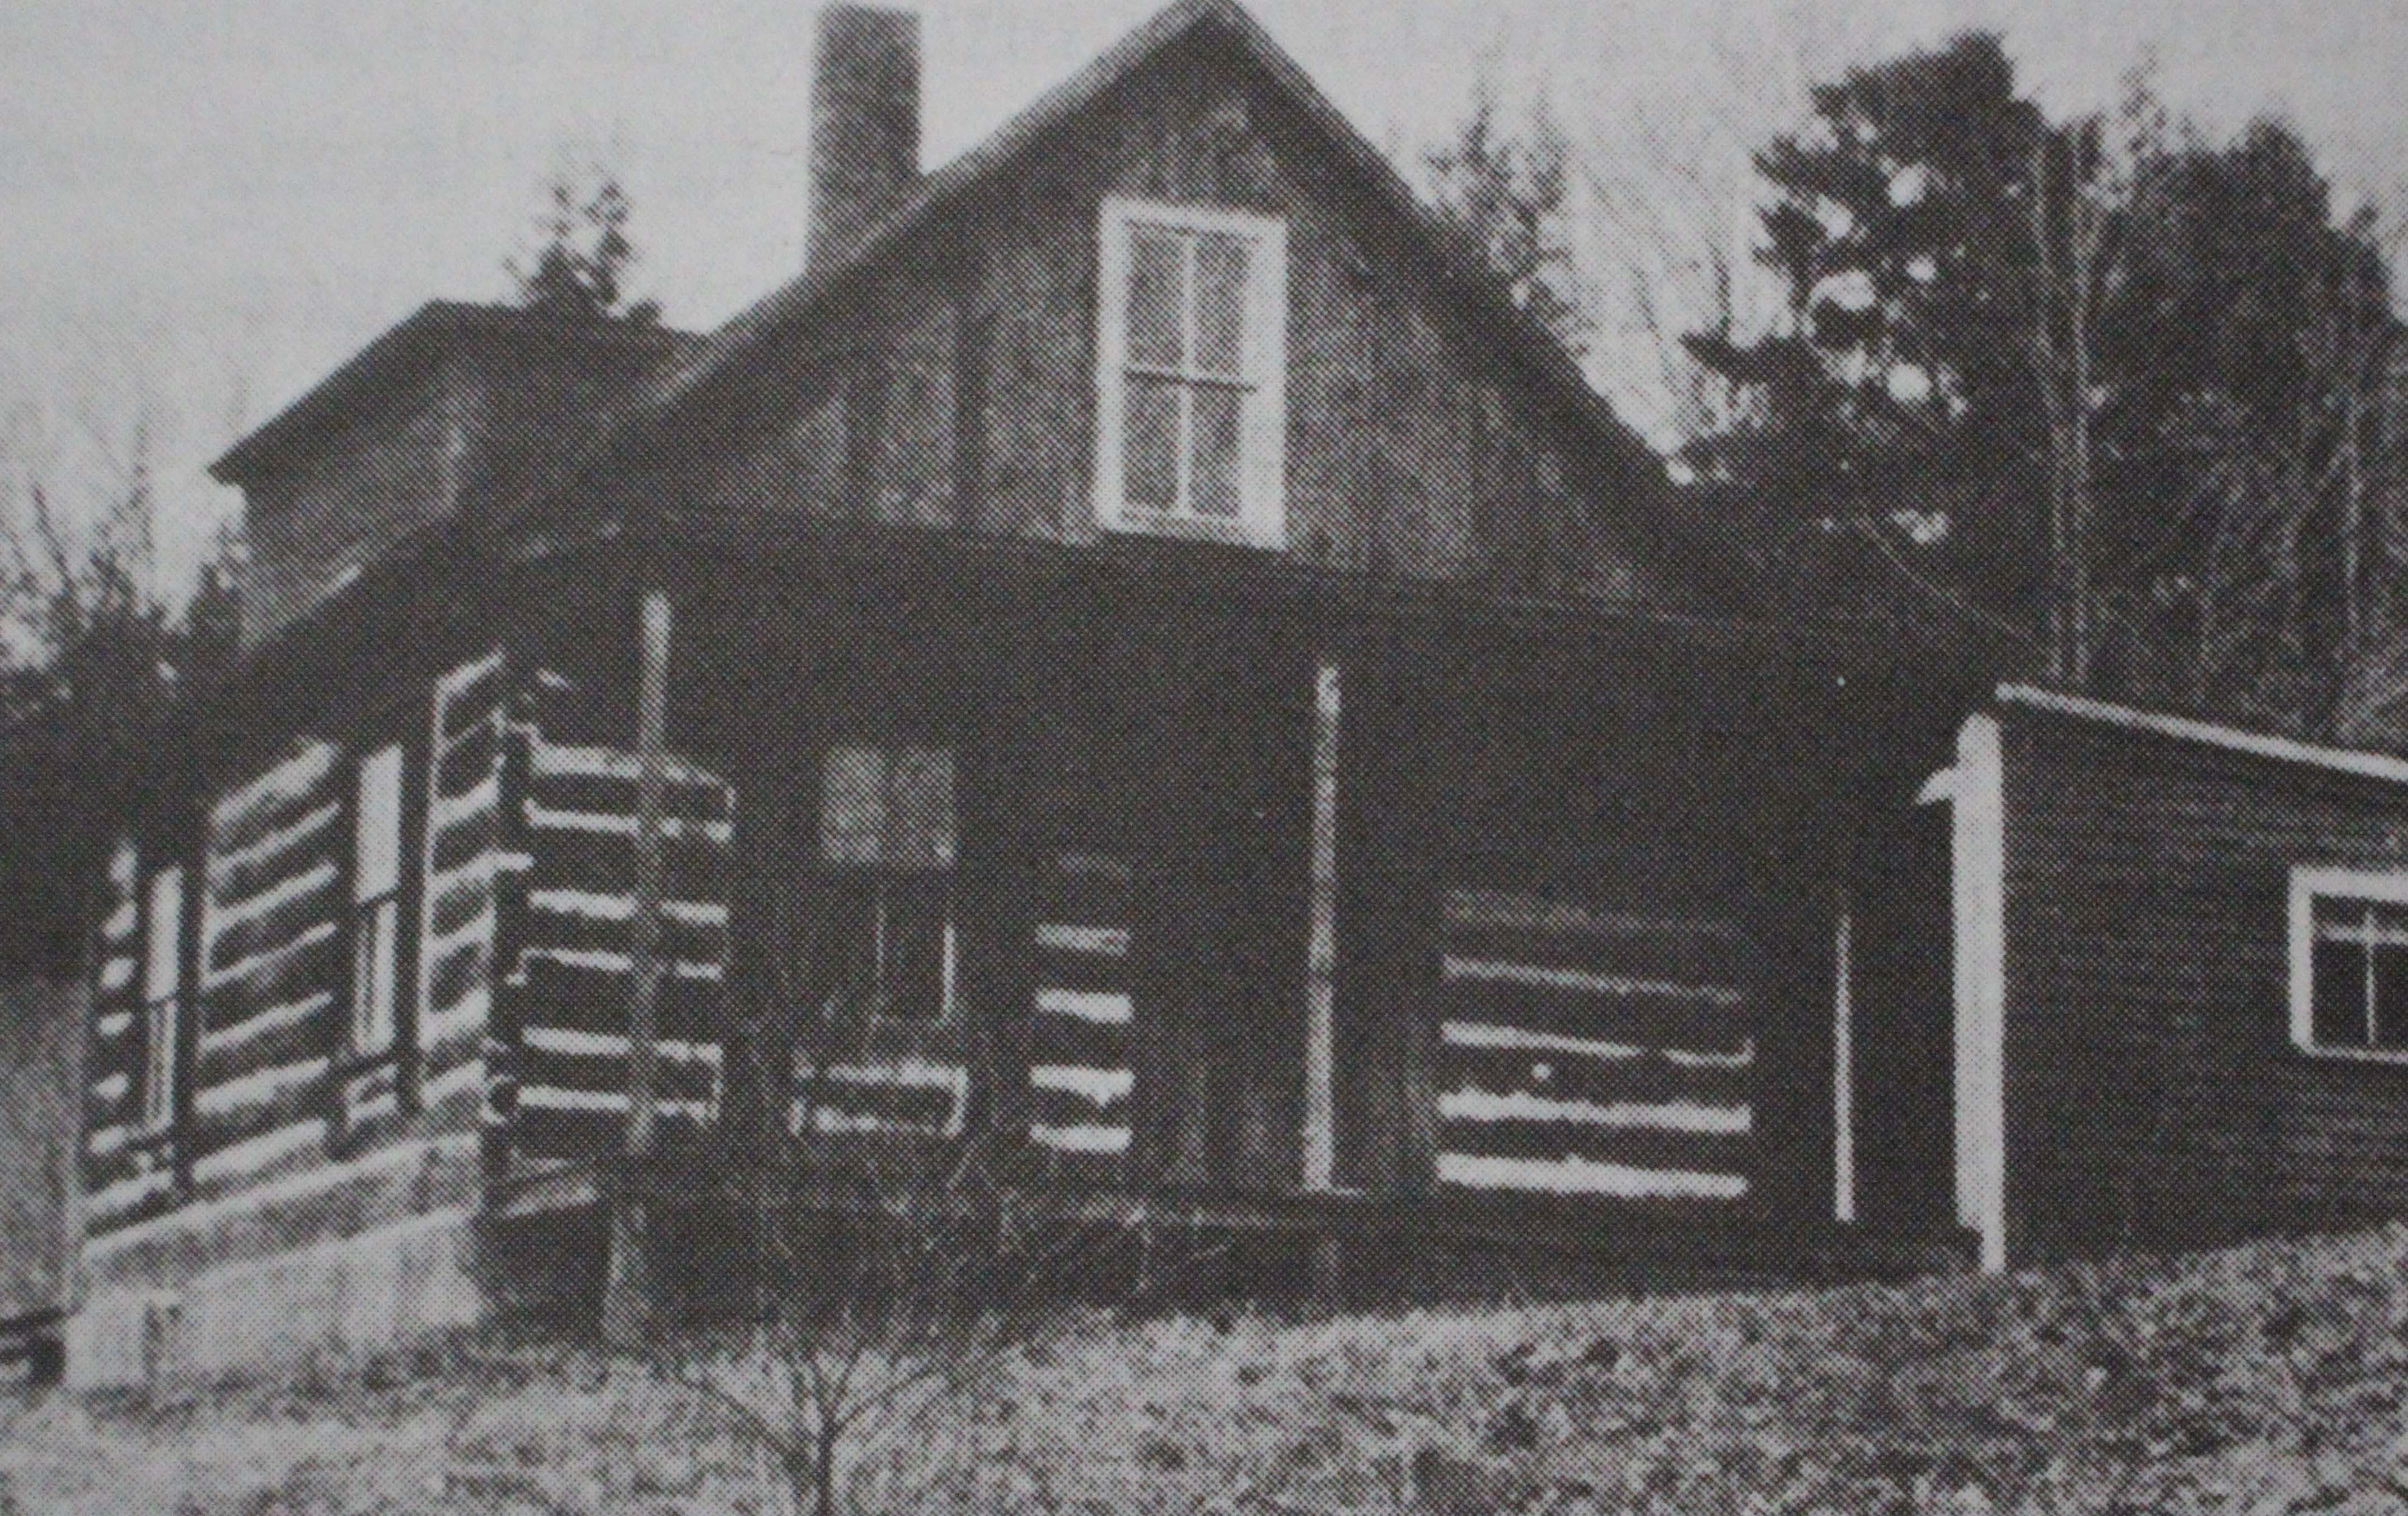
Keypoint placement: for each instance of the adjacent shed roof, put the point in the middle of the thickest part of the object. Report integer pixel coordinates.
(420, 341)
(2374, 765)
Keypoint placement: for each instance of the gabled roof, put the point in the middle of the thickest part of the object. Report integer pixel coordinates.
(420, 341)
(912, 215)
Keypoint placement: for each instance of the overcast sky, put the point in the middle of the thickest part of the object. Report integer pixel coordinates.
(205, 205)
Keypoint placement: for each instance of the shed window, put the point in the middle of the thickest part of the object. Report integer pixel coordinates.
(2349, 963)
(376, 901)
(163, 999)
(1191, 337)
(887, 841)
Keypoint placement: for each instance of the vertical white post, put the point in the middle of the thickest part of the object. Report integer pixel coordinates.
(1321, 949)
(1843, 1068)
(626, 1304)
(1979, 889)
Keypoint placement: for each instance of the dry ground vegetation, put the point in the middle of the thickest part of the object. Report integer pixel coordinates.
(2268, 1379)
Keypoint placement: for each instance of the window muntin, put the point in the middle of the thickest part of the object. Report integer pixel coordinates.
(162, 996)
(888, 840)
(1191, 339)
(2349, 963)
(376, 901)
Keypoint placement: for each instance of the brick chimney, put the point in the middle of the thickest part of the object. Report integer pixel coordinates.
(864, 124)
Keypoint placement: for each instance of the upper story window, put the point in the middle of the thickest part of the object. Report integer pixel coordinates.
(376, 900)
(2349, 963)
(163, 998)
(887, 840)
(1191, 387)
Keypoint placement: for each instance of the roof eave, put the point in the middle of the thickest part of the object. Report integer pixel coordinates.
(428, 334)
(2355, 762)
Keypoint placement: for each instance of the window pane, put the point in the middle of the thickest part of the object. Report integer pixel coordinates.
(159, 1078)
(1219, 416)
(921, 828)
(919, 967)
(2339, 994)
(846, 939)
(163, 965)
(1150, 462)
(852, 805)
(1221, 305)
(375, 960)
(377, 855)
(2392, 995)
(1157, 297)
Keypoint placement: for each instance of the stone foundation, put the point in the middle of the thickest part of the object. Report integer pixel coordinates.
(378, 1291)
(356, 1258)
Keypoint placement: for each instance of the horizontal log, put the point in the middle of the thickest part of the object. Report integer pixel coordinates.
(276, 797)
(1099, 1143)
(566, 994)
(121, 1199)
(545, 820)
(1471, 908)
(904, 1094)
(1671, 957)
(466, 838)
(300, 1100)
(308, 965)
(277, 1035)
(694, 867)
(238, 874)
(471, 754)
(1091, 1088)
(556, 1058)
(1584, 1016)
(460, 970)
(1065, 1041)
(1584, 1177)
(273, 922)
(1644, 1079)
(616, 796)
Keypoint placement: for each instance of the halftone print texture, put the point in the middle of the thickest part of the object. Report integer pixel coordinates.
(1581, 761)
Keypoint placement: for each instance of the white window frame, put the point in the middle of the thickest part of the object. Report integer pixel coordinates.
(1262, 464)
(376, 937)
(2379, 886)
(162, 993)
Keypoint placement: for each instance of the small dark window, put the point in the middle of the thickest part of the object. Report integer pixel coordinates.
(2350, 973)
(887, 844)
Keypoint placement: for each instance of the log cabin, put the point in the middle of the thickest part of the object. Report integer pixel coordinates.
(1149, 619)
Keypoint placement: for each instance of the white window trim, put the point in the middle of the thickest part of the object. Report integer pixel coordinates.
(162, 995)
(1261, 517)
(377, 911)
(2386, 886)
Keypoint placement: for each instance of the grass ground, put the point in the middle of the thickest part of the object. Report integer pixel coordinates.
(2268, 1379)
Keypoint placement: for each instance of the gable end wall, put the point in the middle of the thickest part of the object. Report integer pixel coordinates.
(956, 387)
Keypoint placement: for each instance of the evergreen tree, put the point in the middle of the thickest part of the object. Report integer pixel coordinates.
(2101, 394)
(579, 269)
(1502, 197)
(95, 701)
